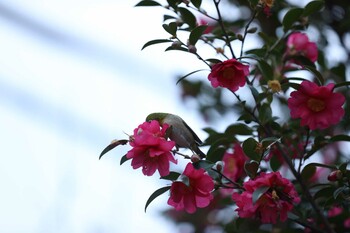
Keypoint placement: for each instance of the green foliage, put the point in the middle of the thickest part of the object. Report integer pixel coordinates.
(156, 194)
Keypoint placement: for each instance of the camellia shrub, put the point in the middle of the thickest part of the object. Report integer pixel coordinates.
(281, 164)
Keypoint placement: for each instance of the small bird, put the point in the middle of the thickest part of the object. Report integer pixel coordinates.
(180, 132)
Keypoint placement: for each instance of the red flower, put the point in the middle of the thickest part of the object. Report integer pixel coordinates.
(151, 150)
(274, 203)
(318, 107)
(234, 163)
(298, 44)
(230, 74)
(194, 190)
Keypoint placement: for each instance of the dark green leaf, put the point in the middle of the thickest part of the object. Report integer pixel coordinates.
(324, 193)
(308, 171)
(275, 163)
(171, 28)
(313, 7)
(291, 17)
(332, 167)
(123, 159)
(343, 166)
(148, 3)
(154, 195)
(172, 48)
(259, 192)
(167, 17)
(213, 60)
(196, 33)
(197, 3)
(265, 113)
(171, 176)
(265, 69)
(316, 73)
(183, 77)
(206, 165)
(341, 137)
(216, 153)
(342, 84)
(339, 191)
(255, 93)
(157, 41)
(188, 17)
(249, 148)
(112, 145)
(251, 168)
(238, 129)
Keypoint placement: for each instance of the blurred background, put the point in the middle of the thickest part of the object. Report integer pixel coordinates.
(72, 78)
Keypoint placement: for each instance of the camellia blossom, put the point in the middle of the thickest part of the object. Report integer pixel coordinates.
(234, 163)
(230, 74)
(151, 150)
(276, 201)
(298, 44)
(193, 189)
(317, 106)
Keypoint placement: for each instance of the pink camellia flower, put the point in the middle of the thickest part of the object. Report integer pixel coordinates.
(192, 190)
(275, 202)
(230, 74)
(234, 163)
(335, 211)
(151, 150)
(298, 44)
(347, 223)
(317, 106)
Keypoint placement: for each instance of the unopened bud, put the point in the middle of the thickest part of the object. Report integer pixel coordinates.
(192, 49)
(195, 158)
(252, 30)
(239, 37)
(335, 175)
(176, 44)
(219, 166)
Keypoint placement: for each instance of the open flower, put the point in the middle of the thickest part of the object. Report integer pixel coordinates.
(230, 74)
(298, 44)
(151, 150)
(234, 163)
(192, 190)
(275, 201)
(317, 106)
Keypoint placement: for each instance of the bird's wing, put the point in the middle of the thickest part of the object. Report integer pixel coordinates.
(196, 138)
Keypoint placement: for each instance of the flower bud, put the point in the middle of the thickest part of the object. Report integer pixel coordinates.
(192, 49)
(219, 166)
(252, 30)
(335, 175)
(240, 37)
(176, 44)
(195, 158)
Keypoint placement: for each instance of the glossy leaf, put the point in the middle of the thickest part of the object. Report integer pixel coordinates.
(291, 17)
(188, 17)
(206, 165)
(183, 77)
(265, 69)
(171, 176)
(238, 129)
(338, 191)
(196, 33)
(259, 192)
(197, 3)
(123, 159)
(112, 145)
(171, 28)
(157, 41)
(156, 194)
(313, 7)
(275, 163)
(308, 171)
(148, 3)
(316, 73)
(251, 168)
(249, 148)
